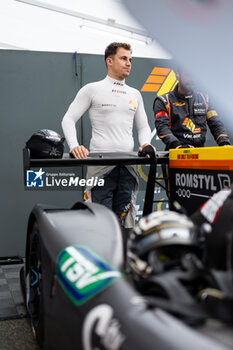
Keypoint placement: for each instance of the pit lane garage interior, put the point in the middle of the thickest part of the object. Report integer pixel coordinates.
(48, 51)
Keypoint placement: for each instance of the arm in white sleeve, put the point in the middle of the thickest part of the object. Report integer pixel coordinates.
(78, 107)
(141, 121)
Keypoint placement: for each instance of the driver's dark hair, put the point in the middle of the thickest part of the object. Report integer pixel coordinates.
(111, 49)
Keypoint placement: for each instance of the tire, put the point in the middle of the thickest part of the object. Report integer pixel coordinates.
(35, 303)
(22, 283)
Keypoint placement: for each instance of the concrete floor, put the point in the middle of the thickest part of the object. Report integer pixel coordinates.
(17, 335)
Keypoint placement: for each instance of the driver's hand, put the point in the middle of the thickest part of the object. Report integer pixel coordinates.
(185, 146)
(146, 144)
(79, 152)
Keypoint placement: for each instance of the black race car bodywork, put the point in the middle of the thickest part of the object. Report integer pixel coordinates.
(78, 295)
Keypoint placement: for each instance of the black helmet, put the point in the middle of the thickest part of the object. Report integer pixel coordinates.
(45, 143)
(164, 260)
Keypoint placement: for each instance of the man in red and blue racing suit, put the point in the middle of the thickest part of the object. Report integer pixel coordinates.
(182, 115)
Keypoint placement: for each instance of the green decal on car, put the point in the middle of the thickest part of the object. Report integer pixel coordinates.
(82, 273)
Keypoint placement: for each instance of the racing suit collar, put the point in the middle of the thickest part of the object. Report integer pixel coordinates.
(115, 82)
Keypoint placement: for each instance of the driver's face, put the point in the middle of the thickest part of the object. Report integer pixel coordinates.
(119, 65)
(186, 82)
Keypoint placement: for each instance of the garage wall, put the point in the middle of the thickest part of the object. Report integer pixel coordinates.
(36, 89)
